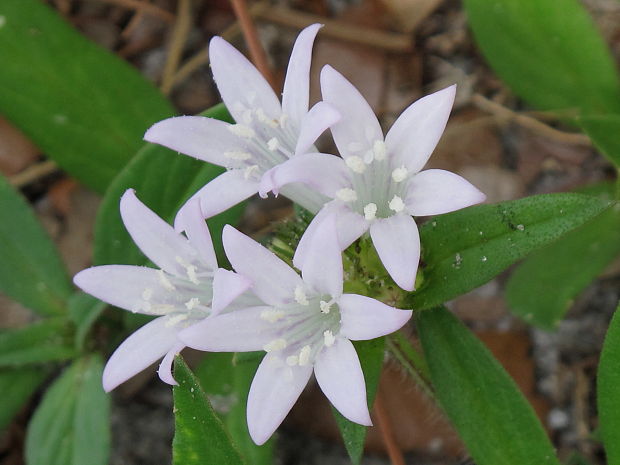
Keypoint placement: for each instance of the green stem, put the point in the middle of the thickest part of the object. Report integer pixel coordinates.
(412, 360)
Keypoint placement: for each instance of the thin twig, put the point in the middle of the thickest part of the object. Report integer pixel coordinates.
(147, 8)
(133, 23)
(177, 44)
(33, 173)
(530, 123)
(394, 42)
(257, 53)
(387, 434)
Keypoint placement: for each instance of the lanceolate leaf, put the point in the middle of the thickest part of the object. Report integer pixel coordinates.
(467, 248)
(200, 437)
(371, 358)
(489, 412)
(163, 180)
(604, 130)
(83, 106)
(542, 288)
(84, 311)
(608, 391)
(548, 51)
(30, 269)
(71, 425)
(16, 386)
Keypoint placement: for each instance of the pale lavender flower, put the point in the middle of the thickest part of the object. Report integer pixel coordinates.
(304, 324)
(377, 185)
(187, 288)
(267, 133)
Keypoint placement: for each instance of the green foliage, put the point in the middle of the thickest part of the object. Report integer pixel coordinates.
(603, 131)
(71, 425)
(370, 354)
(31, 271)
(84, 311)
(16, 386)
(82, 105)
(489, 412)
(200, 436)
(608, 391)
(543, 287)
(465, 249)
(548, 51)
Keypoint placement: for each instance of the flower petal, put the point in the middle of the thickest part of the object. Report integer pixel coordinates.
(221, 193)
(274, 390)
(239, 331)
(434, 192)
(165, 367)
(339, 374)
(397, 242)
(144, 347)
(320, 117)
(227, 286)
(414, 135)
(322, 172)
(198, 233)
(358, 129)
(297, 83)
(322, 268)
(239, 82)
(197, 136)
(273, 281)
(156, 238)
(365, 318)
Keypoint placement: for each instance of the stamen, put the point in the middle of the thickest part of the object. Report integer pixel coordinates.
(292, 360)
(304, 355)
(380, 150)
(174, 320)
(164, 281)
(263, 118)
(325, 306)
(238, 155)
(396, 204)
(300, 296)
(276, 344)
(283, 119)
(272, 315)
(400, 174)
(247, 116)
(328, 338)
(356, 164)
(192, 303)
(370, 211)
(346, 194)
(249, 171)
(273, 144)
(191, 274)
(369, 156)
(147, 293)
(242, 130)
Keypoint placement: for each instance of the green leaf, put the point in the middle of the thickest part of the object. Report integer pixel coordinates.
(608, 391)
(489, 412)
(84, 311)
(43, 341)
(163, 180)
(16, 386)
(71, 425)
(370, 354)
(548, 51)
(82, 105)
(465, 249)
(200, 437)
(31, 271)
(603, 131)
(567, 266)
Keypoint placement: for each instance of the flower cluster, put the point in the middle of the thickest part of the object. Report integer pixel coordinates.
(304, 322)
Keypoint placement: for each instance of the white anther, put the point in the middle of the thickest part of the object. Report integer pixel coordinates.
(292, 360)
(370, 211)
(242, 130)
(355, 146)
(283, 119)
(396, 204)
(263, 118)
(380, 150)
(192, 303)
(325, 306)
(237, 155)
(272, 315)
(176, 319)
(249, 171)
(346, 195)
(304, 355)
(300, 296)
(400, 174)
(356, 164)
(276, 344)
(146, 307)
(247, 116)
(328, 338)
(147, 293)
(164, 281)
(369, 156)
(273, 144)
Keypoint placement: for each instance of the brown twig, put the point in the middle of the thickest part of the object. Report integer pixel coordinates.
(133, 23)
(177, 44)
(528, 122)
(32, 173)
(64, 6)
(147, 8)
(257, 53)
(385, 428)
